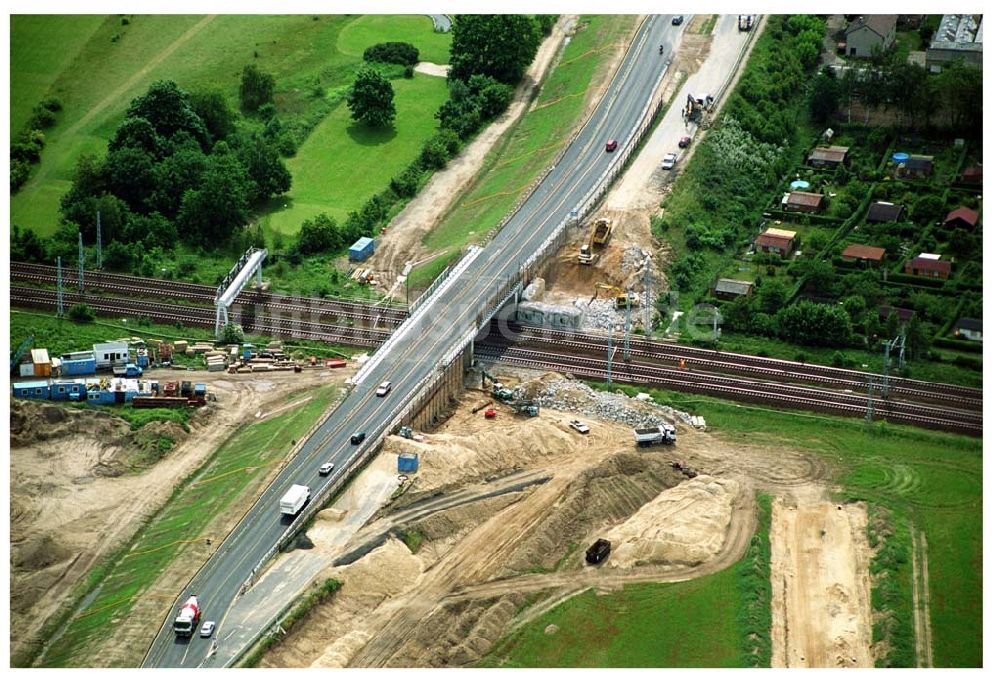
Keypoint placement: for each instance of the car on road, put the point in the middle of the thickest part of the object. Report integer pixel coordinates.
(358, 437)
(326, 468)
(611, 145)
(677, 20)
(579, 426)
(383, 389)
(685, 141)
(207, 629)
(668, 161)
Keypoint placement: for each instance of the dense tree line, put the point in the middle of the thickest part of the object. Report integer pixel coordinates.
(177, 167)
(891, 83)
(26, 147)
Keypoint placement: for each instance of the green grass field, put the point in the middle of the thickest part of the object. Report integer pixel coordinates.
(237, 468)
(343, 163)
(103, 64)
(531, 144)
(418, 30)
(932, 479)
(699, 623)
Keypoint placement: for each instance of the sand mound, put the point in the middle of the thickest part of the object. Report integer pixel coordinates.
(685, 524)
(32, 422)
(447, 458)
(386, 571)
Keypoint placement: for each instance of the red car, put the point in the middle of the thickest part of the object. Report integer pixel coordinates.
(611, 145)
(685, 141)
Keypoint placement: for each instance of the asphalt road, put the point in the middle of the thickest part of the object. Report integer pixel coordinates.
(218, 583)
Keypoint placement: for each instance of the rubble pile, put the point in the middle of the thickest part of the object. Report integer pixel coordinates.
(633, 259)
(598, 314)
(572, 396)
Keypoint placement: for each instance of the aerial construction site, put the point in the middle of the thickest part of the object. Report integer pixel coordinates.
(515, 404)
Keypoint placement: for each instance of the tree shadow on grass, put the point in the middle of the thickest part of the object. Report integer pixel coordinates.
(371, 137)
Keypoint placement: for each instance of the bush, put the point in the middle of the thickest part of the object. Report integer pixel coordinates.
(81, 313)
(256, 88)
(401, 53)
(232, 333)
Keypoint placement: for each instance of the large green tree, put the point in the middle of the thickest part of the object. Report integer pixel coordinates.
(497, 45)
(264, 165)
(168, 109)
(371, 99)
(214, 111)
(213, 212)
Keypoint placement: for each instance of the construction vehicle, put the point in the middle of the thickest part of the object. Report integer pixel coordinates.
(187, 618)
(526, 407)
(696, 107)
(600, 235)
(497, 388)
(662, 434)
(490, 413)
(621, 297)
(685, 469)
(744, 22)
(127, 371)
(293, 501)
(598, 551)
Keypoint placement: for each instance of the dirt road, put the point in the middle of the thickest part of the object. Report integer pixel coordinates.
(820, 585)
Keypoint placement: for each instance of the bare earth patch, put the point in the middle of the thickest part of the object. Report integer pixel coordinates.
(820, 584)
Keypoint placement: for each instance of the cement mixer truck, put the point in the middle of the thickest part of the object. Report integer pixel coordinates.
(187, 618)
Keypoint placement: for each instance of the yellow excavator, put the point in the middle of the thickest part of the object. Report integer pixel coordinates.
(600, 235)
(621, 297)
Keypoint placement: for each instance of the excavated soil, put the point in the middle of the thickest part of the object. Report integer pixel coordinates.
(72, 469)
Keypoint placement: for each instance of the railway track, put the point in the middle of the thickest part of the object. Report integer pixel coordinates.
(732, 376)
(739, 389)
(203, 317)
(962, 397)
(160, 289)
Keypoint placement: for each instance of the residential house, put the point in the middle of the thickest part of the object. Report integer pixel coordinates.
(802, 202)
(962, 217)
(928, 265)
(916, 167)
(903, 314)
(870, 32)
(973, 175)
(959, 36)
(730, 289)
(872, 254)
(883, 211)
(772, 240)
(969, 329)
(828, 157)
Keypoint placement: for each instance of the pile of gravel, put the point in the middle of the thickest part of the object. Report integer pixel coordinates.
(573, 396)
(599, 313)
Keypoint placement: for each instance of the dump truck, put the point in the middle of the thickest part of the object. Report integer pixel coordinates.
(187, 618)
(598, 551)
(293, 501)
(127, 371)
(600, 235)
(664, 434)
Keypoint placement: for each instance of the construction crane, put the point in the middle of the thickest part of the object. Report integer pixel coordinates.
(16, 356)
(600, 235)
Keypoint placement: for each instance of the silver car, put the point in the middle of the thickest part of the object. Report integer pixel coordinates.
(668, 161)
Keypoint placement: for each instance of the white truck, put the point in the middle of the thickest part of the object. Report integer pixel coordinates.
(662, 434)
(187, 618)
(293, 501)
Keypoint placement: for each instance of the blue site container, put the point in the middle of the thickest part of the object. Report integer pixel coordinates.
(199, 388)
(67, 390)
(361, 249)
(101, 397)
(32, 390)
(247, 351)
(78, 364)
(142, 359)
(407, 463)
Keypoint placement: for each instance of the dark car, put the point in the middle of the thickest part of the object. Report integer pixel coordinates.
(677, 20)
(358, 437)
(599, 551)
(685, 141)
(611, 145)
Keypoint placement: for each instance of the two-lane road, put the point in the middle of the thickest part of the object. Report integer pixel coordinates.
(218, 583)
